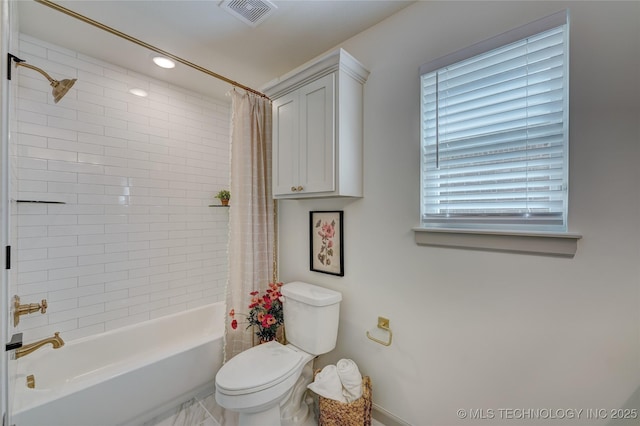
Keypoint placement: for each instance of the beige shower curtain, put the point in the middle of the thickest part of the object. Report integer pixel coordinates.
(251, 222)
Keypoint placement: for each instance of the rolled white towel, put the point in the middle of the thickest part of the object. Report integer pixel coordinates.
(351, 379)
(328, 384)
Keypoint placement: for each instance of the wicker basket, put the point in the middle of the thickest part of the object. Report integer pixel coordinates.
(356, 413)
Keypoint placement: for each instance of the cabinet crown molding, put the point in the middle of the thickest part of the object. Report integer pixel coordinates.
(338, 59)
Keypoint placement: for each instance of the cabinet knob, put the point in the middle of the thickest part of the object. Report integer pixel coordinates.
(300, 188)
(293, 189)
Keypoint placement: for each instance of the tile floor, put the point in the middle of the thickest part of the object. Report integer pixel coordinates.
(195, 412)
(201, 412)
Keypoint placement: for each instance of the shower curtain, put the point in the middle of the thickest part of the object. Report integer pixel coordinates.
(251, 222)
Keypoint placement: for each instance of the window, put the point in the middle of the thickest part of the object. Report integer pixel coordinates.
(495, 132)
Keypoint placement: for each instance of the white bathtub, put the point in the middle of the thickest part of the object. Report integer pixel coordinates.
(124, 376)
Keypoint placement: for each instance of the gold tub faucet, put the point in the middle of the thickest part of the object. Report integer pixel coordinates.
(56, 341)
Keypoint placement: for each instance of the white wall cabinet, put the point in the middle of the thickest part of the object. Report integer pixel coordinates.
(317, 129)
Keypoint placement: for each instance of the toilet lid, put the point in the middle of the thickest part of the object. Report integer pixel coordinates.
(258, 368)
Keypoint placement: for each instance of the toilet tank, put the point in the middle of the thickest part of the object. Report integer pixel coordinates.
(311, 315)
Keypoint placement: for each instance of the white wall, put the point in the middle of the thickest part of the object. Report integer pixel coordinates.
(136, 239)
(486, 330)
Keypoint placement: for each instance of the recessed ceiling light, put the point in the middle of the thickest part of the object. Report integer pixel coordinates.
(163, 62)
(138, 92)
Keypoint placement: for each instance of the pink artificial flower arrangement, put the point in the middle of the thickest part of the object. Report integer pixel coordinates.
(265, 312)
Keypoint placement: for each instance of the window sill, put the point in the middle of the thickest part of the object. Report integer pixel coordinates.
(540, 243)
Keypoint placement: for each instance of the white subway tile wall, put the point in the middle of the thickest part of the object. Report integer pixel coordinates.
(136, 238)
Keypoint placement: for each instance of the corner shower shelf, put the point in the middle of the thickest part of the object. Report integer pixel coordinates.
(40, 201)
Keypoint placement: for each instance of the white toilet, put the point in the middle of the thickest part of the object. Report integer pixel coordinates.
(266, 384)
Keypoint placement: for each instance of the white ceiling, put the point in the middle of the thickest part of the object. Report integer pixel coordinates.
(203, 33)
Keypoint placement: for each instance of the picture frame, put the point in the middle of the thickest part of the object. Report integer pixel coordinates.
(326, 238)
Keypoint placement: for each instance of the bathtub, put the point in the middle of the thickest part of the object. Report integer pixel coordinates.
(122, 377)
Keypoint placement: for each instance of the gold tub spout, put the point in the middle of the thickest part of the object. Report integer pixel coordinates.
(56, 341)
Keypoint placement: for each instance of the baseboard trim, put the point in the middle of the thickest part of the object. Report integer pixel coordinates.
(385, 417)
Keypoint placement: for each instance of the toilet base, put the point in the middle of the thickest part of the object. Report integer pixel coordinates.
(270, 417)
(291, 408)
(295, 410)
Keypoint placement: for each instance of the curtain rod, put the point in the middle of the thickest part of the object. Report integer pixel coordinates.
(127, 37)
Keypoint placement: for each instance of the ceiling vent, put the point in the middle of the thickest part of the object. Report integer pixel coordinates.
(251, 12)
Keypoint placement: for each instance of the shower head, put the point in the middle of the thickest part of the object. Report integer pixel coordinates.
(60, 88)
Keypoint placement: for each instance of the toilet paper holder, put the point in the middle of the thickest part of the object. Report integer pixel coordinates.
(383, 323)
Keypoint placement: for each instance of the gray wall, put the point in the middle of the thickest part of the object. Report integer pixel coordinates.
(486, 330)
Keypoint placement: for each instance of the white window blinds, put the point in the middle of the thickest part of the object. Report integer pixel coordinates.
(495, 132)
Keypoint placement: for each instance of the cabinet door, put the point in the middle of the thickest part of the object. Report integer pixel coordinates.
(317, 136)
(286, 136)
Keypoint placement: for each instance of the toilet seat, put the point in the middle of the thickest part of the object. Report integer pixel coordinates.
(261, 367)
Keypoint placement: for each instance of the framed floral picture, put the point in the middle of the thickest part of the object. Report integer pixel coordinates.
(326, 242)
